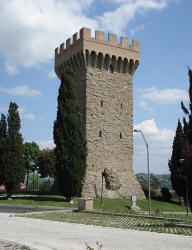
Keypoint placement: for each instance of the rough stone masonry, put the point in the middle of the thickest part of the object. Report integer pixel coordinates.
(103, 72)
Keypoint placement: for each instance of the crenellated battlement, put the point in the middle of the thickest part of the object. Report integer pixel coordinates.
(85, 34)
(83, 42)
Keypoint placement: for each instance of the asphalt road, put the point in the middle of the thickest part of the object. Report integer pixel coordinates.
(15, 210)
(44, 235)
(9, 208)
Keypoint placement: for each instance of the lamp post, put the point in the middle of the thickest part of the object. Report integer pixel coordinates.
(186, 188)
(149, 184)
(33, 169)
(102, 176)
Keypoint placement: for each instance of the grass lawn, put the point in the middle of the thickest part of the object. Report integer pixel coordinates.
(39, 200)
(111, 205)
(121, 205)
(142, 224)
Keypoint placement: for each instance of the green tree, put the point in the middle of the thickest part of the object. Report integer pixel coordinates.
(46, 163)
(187, 171)
(166, 195)
(70, 140)
(182, 144)
(31, 150)
(187, 128)
(3, 135)
(154, 182)
(175, 166)
(14, 169)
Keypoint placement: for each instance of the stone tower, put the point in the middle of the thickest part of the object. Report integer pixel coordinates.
(103, 72)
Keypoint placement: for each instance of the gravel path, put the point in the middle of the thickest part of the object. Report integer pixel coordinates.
(44, 235)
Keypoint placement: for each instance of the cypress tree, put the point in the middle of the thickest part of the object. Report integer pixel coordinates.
(70, 140)
(188, 112)
(14, 169)
(3, 134)
(175, 166)
(181, 150)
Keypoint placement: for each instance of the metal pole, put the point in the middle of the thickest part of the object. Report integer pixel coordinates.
(149, 181)
(33, 182)
(102, 190)
(148, 172)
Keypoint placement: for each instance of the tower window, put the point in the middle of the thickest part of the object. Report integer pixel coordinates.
(110, 69)
(121, 105)
(100, 132)
(120, 135)
(101, 103)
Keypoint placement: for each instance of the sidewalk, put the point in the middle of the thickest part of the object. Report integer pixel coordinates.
(45, 235)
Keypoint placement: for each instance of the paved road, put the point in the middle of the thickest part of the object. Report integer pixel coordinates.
(44, 235)
(10, 208)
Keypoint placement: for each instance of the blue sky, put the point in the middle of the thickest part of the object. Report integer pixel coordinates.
(31, 29)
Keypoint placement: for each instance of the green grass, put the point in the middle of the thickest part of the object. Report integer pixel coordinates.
(142, 224)
(12, 245)
(121, 205)
(110, 205)
(40, 200)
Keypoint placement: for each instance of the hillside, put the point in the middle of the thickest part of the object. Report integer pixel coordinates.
(163, 180)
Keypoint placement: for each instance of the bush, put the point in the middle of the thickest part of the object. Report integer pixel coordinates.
(146, 191)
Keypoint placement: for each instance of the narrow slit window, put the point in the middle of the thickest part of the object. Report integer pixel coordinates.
(100, 133)
(101, 103)
(111, 69)
(121, 105)
(120, 135)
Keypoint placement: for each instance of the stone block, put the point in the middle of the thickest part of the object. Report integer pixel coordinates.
(85, 204)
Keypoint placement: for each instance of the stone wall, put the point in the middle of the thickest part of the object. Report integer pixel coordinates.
(107, 107)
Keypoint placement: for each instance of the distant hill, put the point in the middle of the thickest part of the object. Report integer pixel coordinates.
(163, 179)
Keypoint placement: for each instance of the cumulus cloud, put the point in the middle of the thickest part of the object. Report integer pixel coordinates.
(137, 29)
(118, 19)
(145, 106)
(23, 90)
(46, 144)
(52, 74)
(164, 96)
(24, 115)
(160, 146)
(34, 28)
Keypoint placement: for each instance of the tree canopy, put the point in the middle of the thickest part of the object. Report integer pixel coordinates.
(46, 163)
(180, 163)
(69, 138)
(13, 165)
(31, 150)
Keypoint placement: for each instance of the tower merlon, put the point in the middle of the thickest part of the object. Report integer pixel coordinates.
(83, 41)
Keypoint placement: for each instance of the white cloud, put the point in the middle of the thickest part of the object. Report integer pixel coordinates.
(23, 90)
(52, 74)
(24, 115)
(164, 96)
(145, 106)
(46, 144)
(28, 116)
(116, 21)
(160, 146)
(137, 29)
(34, 28)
